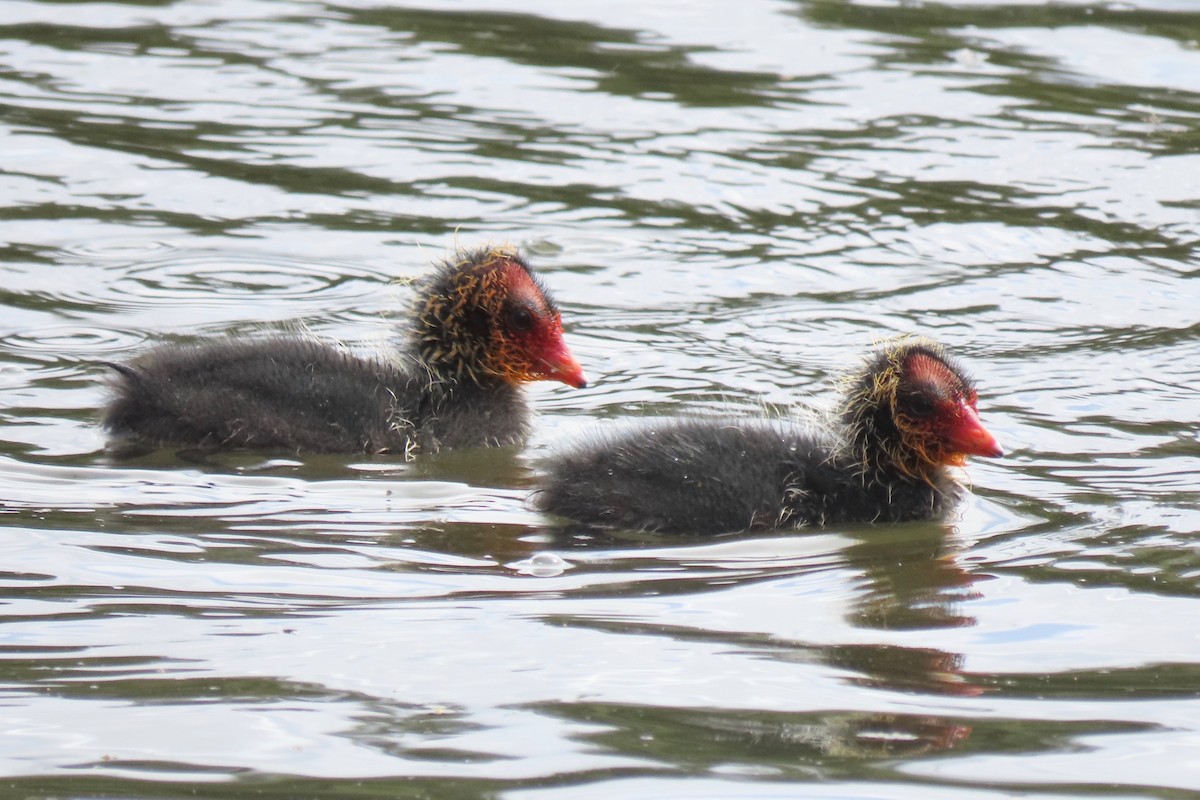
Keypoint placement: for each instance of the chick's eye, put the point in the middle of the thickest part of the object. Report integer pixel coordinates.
(520, 319)
(919, 404)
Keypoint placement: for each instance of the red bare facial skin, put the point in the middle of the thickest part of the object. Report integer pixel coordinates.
(539, 353)
(958, 428)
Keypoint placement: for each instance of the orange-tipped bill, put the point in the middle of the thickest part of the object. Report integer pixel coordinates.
(969, 438)
(559, 365)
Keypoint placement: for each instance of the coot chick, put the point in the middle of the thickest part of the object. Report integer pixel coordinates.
(482, 324)
(905, 417)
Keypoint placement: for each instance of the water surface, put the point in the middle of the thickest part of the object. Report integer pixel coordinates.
(730, 201)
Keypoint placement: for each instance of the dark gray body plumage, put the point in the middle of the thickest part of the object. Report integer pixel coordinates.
(297, 394)
(711, 476)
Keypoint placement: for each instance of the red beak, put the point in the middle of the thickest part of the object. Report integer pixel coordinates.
(970, 438)
(562, 366)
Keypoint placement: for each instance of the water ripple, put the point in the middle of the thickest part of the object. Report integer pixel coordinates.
(730, 208)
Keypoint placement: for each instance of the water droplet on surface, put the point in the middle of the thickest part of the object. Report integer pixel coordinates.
(541, 565)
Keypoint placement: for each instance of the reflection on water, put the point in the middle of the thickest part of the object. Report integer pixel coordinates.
(912, 579)
(728, 207)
